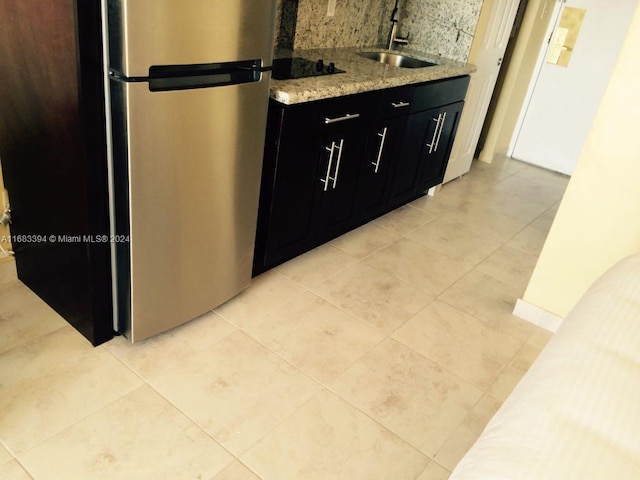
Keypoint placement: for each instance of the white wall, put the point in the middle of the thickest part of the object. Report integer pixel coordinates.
(598, 222)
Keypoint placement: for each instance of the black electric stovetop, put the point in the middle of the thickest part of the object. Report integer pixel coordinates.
(297, 67)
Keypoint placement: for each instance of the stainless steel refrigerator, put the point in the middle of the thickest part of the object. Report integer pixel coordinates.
(188, 83)
(131, 140)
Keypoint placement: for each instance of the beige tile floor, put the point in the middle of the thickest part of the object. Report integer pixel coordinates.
(381, 355)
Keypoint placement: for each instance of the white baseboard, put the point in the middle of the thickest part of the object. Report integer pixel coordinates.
(537, 316)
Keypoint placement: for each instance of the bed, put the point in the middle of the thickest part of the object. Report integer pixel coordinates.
(576, 413)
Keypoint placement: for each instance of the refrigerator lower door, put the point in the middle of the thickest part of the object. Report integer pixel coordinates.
(143, 33)
(194, 166)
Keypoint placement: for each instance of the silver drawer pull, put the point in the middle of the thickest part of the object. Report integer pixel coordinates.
(325, 180)
(348, 116)
(432, 145)
(335, 175)
(444, 118)
(383, 136)
(400, 104)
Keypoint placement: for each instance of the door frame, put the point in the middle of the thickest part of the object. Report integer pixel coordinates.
(511, 98)
(553, 23)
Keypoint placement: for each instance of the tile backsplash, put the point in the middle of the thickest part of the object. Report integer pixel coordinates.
(442, 27)
(356, 23)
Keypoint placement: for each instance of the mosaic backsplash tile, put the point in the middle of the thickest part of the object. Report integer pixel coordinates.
(441, 27)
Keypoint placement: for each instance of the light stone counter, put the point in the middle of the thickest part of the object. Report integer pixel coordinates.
(361, 74)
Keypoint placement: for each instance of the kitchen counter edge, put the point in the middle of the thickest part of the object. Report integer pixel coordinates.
(362, 74)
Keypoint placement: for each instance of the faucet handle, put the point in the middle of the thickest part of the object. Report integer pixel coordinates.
(402, 40)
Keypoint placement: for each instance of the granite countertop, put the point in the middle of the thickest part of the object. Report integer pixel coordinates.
(361, 74)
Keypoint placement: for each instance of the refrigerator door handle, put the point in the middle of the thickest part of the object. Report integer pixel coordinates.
(182, 77)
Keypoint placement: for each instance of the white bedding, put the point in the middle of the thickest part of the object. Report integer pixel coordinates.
(576, 413)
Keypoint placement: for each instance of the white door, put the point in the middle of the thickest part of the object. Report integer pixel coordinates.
(487, 51)
(565, 99)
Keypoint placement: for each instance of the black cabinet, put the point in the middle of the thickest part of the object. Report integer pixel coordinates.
(428, 137)
(332, 165)
(312, 162)
(408, 163)
(383, 151)
(444, 123)
(337, 182)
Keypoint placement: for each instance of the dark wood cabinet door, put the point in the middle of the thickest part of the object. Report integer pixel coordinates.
(383, 150)
(420, 129)
(290, 225)
(337, 183)
(438, 147)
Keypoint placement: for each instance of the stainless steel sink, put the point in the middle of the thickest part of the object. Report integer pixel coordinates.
(396, 60)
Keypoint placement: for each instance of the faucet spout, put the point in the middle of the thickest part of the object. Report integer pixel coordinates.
(392, 34)
(393, 37)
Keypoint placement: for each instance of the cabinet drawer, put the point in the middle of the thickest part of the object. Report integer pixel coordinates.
(395, 101)
(326, 117)
(438, 93)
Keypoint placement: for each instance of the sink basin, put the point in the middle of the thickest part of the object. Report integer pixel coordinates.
(396, 60)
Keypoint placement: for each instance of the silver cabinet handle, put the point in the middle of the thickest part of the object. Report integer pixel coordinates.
(435, 133)
(325, 180)
(444, 117)
(348, 116)
(400, 104)
(335, 176)
(377, 162)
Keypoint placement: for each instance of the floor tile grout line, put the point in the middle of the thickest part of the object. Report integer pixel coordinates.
(351, 314)
(300, 369)
(441, 365)
(482, 390)
(34, 339)
(377, 422)
(327, 386)
(23, 466)
(453, 431)
(440, 297)
(194, 422)
(342, 268)
(431, 251)
(382, 247)
(17, 455)
(502, 370)
(386, 336)
(473, 315)
(246, 449)
(183, 359)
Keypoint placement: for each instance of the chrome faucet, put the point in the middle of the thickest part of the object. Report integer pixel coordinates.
(393, 37)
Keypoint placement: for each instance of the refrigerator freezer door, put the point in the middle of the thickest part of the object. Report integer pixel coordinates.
(195, 159)
(143, 33)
